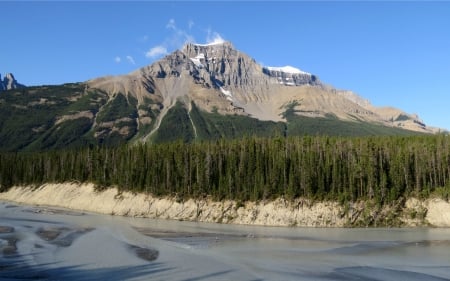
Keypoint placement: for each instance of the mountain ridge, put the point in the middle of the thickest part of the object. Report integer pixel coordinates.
(250, 87)
(198, 92)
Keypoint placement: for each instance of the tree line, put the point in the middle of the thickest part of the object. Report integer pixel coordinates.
(316, 167)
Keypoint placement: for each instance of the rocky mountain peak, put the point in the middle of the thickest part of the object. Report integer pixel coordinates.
(215, 58)
(9, 82)
(209, 50)
(218, 77)
(224, 65)
(222, 59)
(221, 66)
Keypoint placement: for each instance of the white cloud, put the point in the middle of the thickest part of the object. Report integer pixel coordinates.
(117, 59)
(176, 40)
(130, 59)
(178, 37)
(214, 38)
(156, 52)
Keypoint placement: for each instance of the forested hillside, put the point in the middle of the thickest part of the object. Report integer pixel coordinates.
(345, 169)
(73, 116)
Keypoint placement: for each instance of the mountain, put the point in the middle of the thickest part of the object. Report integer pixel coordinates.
(200, 92)
(9, 82)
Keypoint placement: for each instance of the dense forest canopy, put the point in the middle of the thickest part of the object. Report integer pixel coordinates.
(345, 169)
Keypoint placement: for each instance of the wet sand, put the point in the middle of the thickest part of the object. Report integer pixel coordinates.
(192, 239)
(10, 248)
(145, 253)
(49, 234)
(53, 211)
(6, 229)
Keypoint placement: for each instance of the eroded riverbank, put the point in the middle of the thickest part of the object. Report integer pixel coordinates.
(431, 212)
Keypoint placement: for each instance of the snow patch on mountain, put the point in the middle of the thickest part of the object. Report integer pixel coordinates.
(228, 94)
(197, 60)
(216, 41)
(287, 69)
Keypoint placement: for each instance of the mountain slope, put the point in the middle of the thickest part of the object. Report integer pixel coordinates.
(200, 92)
(217, 76)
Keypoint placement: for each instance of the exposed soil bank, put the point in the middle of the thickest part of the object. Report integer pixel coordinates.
(280, 212)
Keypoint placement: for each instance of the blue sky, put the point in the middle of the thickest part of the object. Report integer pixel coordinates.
(392, 53)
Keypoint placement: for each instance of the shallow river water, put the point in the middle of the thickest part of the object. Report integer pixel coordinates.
(44, 243)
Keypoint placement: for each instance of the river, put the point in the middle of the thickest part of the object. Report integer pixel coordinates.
(45, 243)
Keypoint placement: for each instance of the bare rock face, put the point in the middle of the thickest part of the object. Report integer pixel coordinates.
(170, 66)
(290, 76)
(220, 68)
(9, 82)
(225, 66)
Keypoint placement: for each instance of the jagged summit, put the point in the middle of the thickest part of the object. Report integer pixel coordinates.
(222, 58)
(205, 55)
(9, 82)
(223, 65)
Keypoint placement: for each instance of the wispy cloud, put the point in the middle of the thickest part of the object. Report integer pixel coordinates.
(171, 24)
(176, 40)
(117, 59)
(214, 37)
(156, 51)
(179, 37)
(130, 60)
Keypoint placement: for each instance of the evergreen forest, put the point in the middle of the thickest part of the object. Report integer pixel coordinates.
(345, 169)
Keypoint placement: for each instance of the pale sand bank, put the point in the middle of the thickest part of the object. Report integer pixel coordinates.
(271, 213)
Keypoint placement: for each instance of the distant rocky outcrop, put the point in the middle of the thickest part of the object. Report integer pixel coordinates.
(9, 82)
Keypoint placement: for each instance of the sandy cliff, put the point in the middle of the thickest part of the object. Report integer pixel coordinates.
(436, 212)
